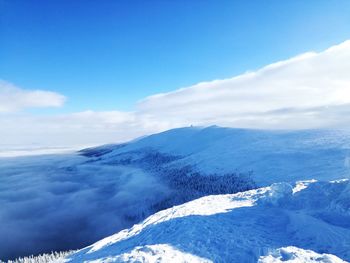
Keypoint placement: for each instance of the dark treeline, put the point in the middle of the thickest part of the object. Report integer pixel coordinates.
(184, 183)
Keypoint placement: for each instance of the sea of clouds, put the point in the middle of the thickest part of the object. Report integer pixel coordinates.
(61, 202)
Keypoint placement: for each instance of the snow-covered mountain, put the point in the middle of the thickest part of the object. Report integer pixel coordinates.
(306, 222)
(80, 198)
(271, 156)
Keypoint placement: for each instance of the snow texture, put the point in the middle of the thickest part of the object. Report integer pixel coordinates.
(297, 255)
(271, 224)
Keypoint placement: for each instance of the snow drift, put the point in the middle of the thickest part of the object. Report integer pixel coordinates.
(272, 224)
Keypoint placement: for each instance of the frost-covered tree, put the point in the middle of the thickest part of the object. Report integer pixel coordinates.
(53, 257)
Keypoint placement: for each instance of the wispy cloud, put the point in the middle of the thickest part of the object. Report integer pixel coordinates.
(13, 98)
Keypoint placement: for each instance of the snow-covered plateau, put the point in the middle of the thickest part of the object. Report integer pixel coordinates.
(209, 194)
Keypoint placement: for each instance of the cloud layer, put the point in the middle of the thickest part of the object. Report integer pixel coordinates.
(63, 202)
(311, 90)
(75, 130)
(307, 91)
(13, 98)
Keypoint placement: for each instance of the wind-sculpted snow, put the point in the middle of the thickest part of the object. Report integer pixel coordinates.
(298, 255)
(271, 224)
(63, 202)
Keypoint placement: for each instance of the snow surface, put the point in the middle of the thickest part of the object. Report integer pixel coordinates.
(271, 224)
(154, 253)
(272, 156)
(298, 255)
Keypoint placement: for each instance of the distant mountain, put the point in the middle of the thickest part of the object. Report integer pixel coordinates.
(271, 156)
(306, 222)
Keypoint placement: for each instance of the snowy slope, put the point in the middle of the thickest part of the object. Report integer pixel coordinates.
(272, 156)
(309, 222)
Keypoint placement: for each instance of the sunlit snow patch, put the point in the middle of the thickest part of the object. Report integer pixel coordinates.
(154, 253)
(300, 185)
(202, 206)
(298, 255)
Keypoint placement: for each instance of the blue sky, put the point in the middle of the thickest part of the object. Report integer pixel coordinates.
(81, 73)
(105, 55)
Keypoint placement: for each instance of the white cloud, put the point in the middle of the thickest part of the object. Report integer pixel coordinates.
(13, 98)
(303, 92)
(308, 91)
